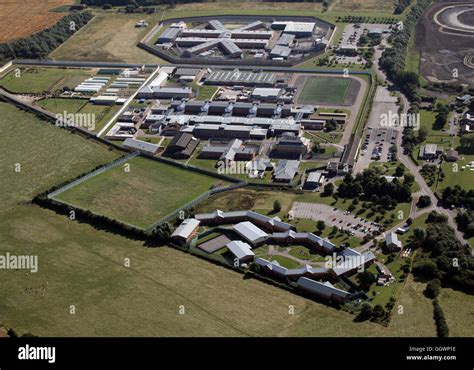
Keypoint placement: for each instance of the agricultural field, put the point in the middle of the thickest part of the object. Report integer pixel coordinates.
(23, 18)
(325, 90)
(35, 80)
(151, 189)
(48, 156)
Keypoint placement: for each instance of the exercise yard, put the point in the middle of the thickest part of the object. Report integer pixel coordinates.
(148, 192)
(325, 90)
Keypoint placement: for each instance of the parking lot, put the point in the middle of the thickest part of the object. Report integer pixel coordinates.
(377, 143)
(379, 136)
(344, 220)
(353, 32)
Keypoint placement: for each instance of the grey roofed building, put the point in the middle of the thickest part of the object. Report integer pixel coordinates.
(244, 78)
(353, 260)
(231, 48)
(249, 27)
(172, 92)
(182, 145)
(216, 25)
(141, 146)
(280, 51)
(168, 35)
(428, 151)
(275, 267)
(315, 177)
(242, 251)
(186, 229)
(253, 234)
(324, 290)
(186, 72)
(260, 165)
(230, 151)
(299, 29)
(286, 170)
(266, 94)
(305, 238)
(286, 39)
(266, 222)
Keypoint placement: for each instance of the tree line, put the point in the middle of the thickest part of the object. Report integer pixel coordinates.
(443, 256)
(393, 58)
(376, 188)
(39, 45)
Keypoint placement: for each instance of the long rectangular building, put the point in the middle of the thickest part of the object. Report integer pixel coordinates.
(241, 78)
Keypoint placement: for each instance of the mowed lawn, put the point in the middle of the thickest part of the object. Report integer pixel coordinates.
(149, 191)
(44, 154)
(43, 79)
(325, 90)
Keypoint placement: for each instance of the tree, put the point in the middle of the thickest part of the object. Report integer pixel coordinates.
(365, 313)
(419, 236)
(399, 171)
(433, 287)
(328, 189)
(320, 225)
(379, 311)
(422, 134)
(366, 279)
(424, 201)
(276, 206)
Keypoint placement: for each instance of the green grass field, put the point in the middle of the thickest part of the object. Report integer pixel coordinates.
(325, 90)
(30, 144)
(102, 113)
(151, 189)
(458, 309)
(47, 79)
(59, 105)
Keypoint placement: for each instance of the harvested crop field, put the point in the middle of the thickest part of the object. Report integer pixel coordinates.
(23, 18)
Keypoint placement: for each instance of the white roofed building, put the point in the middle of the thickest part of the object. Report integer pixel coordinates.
(251, 233)
(186, 231)
(241, 251)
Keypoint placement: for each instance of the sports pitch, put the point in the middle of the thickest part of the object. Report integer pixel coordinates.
(325, 90)
(148, 192)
